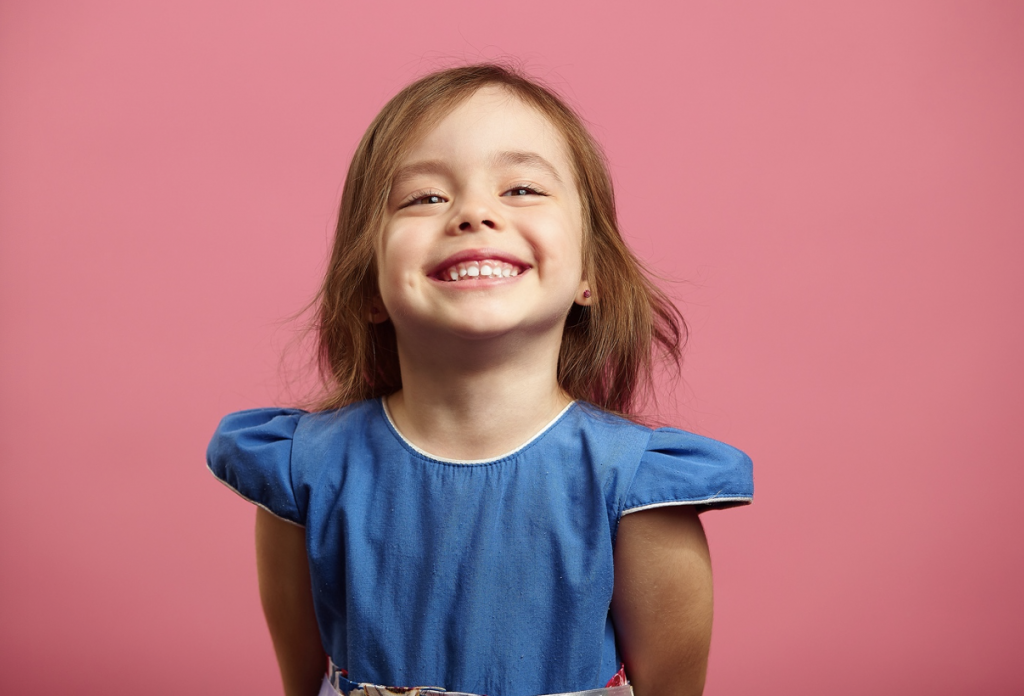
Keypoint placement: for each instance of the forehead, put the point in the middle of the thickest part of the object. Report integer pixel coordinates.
(490, 122)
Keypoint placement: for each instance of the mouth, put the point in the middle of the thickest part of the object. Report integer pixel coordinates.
(478, 265)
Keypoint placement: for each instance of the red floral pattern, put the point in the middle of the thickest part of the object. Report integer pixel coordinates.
(619, 679)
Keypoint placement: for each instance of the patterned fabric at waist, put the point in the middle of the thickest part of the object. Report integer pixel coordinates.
(337, 683)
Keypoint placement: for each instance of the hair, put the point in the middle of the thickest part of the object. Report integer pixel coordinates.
(608, 348)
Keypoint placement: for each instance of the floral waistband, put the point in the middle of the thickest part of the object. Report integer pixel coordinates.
(337, 683)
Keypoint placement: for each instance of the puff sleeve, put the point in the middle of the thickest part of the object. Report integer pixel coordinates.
(680, 468)
(251, 453)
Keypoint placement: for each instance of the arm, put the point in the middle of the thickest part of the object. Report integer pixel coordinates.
(287, 597)
(662, 601)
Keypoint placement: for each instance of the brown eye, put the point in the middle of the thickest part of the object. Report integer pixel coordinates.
(425, 199)
(517, 191)
(431, 199)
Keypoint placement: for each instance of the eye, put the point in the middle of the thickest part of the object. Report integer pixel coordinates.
(523, 190)
(424, 198)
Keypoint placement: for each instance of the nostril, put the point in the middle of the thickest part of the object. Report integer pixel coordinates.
(466, 225)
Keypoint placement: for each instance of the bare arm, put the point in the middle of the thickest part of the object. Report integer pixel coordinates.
(287, 597)
(662, 602)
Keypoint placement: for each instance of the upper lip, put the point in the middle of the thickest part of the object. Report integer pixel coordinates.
(479, 255)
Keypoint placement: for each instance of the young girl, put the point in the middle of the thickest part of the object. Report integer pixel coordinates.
(468, 509)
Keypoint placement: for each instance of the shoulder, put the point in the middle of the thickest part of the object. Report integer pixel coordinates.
(348, 419)
(251, 432)
(611, 435)
(665, 466)
(255, 433)
(337, 434)
(255, 451)
(694, 449)
(286, 421)
(250, 452)
(682, 468)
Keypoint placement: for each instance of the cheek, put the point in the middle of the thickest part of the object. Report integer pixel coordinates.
(392, 248)
(386, 268)
(399, 264)
(572, 242)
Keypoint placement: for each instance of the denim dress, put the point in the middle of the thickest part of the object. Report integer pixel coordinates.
(483, 577)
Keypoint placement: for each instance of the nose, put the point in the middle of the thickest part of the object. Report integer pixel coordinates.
(466, 225)
(475, 214)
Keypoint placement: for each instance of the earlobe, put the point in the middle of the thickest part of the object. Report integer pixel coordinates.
(378, 312)
(584, 296)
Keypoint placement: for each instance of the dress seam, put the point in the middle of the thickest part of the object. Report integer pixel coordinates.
(696, 501)
(620, 504)
(490, 461)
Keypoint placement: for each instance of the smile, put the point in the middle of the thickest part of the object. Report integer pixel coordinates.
(478, 265)
(478, 270)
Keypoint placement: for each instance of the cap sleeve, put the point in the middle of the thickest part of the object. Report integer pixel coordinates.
(680, 468)
(251, 453)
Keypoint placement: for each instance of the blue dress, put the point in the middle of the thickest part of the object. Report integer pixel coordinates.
(488, 577)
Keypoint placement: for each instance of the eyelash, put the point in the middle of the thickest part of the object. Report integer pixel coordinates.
(526, 187)
(420, 195)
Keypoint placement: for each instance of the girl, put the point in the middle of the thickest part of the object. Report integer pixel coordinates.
(455, 510)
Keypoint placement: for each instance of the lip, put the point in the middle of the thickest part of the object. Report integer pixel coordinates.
(478, 255)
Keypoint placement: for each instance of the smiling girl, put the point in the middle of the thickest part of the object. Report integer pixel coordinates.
(470, 507)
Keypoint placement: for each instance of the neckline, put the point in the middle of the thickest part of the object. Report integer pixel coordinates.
(445, 460)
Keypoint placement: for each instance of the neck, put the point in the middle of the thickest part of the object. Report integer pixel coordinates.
(477, 399)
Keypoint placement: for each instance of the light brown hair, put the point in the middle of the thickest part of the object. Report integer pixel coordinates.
(607, 349)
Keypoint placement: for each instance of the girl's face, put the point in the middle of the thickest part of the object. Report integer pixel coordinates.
(483, 231)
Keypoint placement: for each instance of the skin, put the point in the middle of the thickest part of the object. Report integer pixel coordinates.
(285, 592)
(479, 360)
(662, 601)
(479, 373)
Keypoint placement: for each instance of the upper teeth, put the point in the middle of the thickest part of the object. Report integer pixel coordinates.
(488, 268)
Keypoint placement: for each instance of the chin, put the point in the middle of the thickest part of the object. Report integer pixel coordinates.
(478, 332)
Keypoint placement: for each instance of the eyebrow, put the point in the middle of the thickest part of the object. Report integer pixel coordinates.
(415, 169)
(507, 158)
(512, 158)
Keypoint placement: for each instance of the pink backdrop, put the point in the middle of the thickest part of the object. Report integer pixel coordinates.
(838, 186)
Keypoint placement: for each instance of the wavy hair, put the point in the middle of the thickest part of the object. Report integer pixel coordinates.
(608, 348)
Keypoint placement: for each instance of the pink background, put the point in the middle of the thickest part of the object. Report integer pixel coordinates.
(837, 186)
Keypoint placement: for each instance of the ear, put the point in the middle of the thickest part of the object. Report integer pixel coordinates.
(378, 312)
(584, 295)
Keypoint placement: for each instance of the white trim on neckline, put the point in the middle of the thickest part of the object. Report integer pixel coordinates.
(446, 460)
